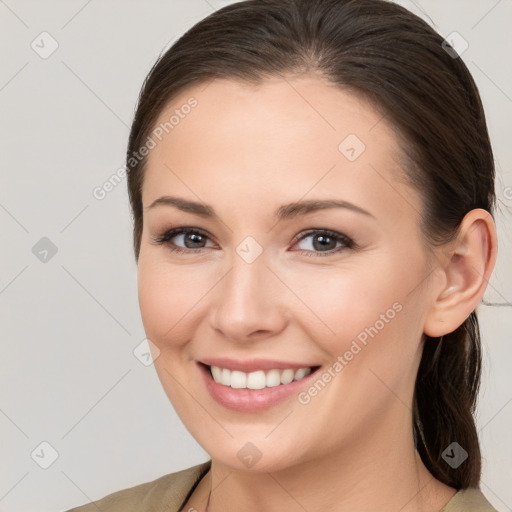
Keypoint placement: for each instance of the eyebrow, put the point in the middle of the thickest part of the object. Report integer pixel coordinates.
(284, 212)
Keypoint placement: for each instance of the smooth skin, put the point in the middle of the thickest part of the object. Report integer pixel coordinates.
(245, 150)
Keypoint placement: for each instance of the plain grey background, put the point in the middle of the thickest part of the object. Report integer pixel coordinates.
(69, 314)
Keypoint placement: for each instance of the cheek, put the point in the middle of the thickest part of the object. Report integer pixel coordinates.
(377, 326)
(346, 303)
(168, 299)
(367, 320)
(168, 296)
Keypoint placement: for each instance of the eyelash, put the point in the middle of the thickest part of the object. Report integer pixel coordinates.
(339, 237)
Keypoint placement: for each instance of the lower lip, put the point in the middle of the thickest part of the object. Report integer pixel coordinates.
(251, 400)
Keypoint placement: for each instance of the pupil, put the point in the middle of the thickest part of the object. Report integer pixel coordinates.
(324, 242)
(195, 239)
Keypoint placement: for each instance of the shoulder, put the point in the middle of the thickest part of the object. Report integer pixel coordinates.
(468, 500)
(166, 493)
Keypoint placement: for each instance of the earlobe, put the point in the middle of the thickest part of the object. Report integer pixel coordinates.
(467, 266)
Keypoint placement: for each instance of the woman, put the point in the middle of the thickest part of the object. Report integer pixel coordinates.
(312, 187)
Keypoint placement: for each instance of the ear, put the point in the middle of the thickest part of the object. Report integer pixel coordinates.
(465, 265)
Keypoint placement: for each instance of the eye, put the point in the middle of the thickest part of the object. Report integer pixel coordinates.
(324, 242)
(193, 239)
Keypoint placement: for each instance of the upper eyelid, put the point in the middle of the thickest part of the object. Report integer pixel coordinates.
(311, 231)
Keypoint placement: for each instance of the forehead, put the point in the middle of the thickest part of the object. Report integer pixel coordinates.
(279, 140)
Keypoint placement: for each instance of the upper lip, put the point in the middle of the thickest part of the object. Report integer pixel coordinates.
(252, 365)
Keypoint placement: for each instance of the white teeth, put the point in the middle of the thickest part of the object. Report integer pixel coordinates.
(225, 378)
(273, 378)
(238, 379)
(287, 376)
(302, 372)
(217, 373)
(258, 379)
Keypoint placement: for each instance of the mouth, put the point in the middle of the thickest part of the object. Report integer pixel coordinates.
(258, 379)
(256, 390)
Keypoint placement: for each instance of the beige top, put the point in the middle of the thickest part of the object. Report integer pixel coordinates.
(170, 492)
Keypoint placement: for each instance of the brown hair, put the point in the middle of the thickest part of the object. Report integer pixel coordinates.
(390, 56)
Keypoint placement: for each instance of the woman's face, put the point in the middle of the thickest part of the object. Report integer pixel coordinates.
(261, 286)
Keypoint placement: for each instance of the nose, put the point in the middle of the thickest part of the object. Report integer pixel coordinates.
(249, 302)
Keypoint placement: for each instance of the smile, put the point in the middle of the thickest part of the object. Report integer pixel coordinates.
(257, 380)
(255, 385)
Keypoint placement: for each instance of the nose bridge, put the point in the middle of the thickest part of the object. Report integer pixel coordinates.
(247, 298)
